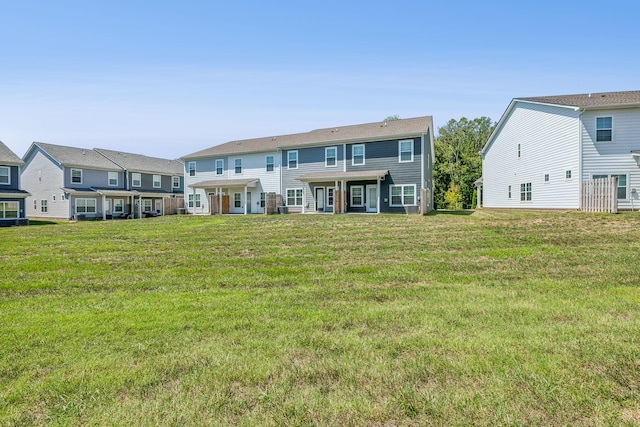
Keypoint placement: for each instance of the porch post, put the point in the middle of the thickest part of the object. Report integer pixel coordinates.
(378, 195)
(131, 211)
(140, 206)
(303, 198)
(104, 207)
(344, 197)
(336, 198)
(194, 199)
(245, 199)
(220, 201)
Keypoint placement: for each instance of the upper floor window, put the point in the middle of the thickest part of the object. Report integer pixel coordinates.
(136, 179)
(238, 166)
(157, 181)
(76, 176)
(175, 181)
(331, 156)
(292, 159)
(405, 149)
(270, 162)
(113, 179)
(5, 175)
(219, 166)
(357, 154)
(191, 167)
(604, 129)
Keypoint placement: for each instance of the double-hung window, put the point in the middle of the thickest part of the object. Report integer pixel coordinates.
(292, 159)
(330, 197)
(136, 179)
(357, 154)
(405, 151)
(76, 176)
(197, 200)
(331, 157)
(622, 183)
(237, 200)
(219, 166)
(85, 205)
(270, 163)
(118, 205)
(113, 179)
(43, 206)
(357, 195)
(191, 167)
(175, 181)
(604, 129)
(157, 181)
(525, 192)
(294, 196)
(5, 175)
(8, 210)
(263, 199)
(238, 166)
(403, 195)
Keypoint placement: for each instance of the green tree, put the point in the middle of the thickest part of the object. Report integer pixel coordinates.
(453, 197)
(457, 159)
(392, 118)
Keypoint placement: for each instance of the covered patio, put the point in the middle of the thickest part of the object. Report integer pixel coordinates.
(216, 188)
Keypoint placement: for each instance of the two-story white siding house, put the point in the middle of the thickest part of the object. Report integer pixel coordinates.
(544, 147)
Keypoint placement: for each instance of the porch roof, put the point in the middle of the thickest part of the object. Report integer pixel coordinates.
(79, 191)
(113, 192)
(15, 194)
(225, 183)
(635, 153)
(352, 175)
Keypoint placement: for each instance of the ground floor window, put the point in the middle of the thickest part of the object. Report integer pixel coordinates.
(525, 192)
(43, 206)
(237, 200)
(357, 195)
(622, 183)
(330, 197)
(8, 210)
(403, 195)
(147, 205)
(197, 200)
(262, 199)
(294, 196)
(86, 205)
(118, 205)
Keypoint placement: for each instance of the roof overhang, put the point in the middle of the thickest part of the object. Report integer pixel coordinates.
(79, 191)
(121, 193)
(348, 176)
(16, 195)
(226, 183)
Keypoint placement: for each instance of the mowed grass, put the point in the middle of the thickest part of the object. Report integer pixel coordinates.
(495, 318)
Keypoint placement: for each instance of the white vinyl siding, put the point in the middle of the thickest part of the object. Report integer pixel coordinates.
(533, 140)
(5, 175)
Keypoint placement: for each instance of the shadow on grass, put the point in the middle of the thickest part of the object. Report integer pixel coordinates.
(40, 223)
(449, 212)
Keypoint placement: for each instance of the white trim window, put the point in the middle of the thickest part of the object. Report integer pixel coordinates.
(357, 195)
(509, 192)
(118, 206)
(190, 200)
(330, 192)
(113, 179)
(157, 181)
(191, 168)
(604, 129)
(519, 151)
(403, 195)
(237, 166)
(5, 175)
(43, 206)
(567, 174)
(405, 151)
(357, 154)
(331, 157)
(525, 192)
(219, 167)
(270, 163)
(8, 210)
(622, 183)
(147, 205)
(294, 196)
(86, 206)
(76, 176)
(546, 177)
(136, 179)
(175, 182)
(263, 200)
(237, 200)
(292, 159)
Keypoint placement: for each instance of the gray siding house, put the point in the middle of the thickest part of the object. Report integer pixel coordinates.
(12, 197)
(367, 168)
(78, 183)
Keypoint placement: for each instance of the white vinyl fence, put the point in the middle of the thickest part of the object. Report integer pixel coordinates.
(600, 195)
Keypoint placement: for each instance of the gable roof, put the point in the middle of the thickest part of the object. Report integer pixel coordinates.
(141, 163)
(368, 131)
(8, 157)
(73, 156)
(586, 100)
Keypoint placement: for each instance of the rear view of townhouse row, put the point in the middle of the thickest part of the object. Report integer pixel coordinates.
(544, 149)
(369, 168)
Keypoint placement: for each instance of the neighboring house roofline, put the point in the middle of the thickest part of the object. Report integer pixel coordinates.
(141, 163)
(8, 157)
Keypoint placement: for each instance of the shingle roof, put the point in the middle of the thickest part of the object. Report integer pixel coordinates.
(330, 176)
(141, 163)
(8, 157)
(590, 99)
(82, 157)
(372, 131)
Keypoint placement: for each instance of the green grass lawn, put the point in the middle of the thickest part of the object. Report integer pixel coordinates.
(508, 318)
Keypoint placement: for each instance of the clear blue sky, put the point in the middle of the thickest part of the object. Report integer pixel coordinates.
(167, 78)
